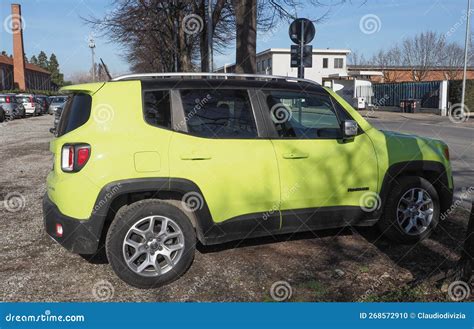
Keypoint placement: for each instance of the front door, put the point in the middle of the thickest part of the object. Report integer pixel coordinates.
(323, 177)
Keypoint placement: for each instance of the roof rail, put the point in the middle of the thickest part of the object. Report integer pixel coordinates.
(209, 75)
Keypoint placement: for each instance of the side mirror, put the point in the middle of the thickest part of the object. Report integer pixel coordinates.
(350, 128)
(52, 130)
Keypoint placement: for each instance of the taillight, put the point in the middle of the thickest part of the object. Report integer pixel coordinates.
(8, 99)
(74, 157)
(82, 156)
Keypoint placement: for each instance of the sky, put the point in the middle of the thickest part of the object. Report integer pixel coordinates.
(57, 26)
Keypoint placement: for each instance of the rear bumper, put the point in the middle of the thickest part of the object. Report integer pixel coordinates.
(79, 236)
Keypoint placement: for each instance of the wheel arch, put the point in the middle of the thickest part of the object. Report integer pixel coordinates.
(433, 171)
(118, 194)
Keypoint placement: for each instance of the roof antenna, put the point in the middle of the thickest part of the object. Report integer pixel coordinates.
(106, 69)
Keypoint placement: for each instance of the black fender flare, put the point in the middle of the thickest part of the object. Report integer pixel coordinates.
(113, 190)
(419, 167)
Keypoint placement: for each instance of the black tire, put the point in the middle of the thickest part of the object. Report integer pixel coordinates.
(129, 215)
(2, 115)
(389, 225)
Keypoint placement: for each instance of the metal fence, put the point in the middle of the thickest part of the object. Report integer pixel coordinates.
(390, 94)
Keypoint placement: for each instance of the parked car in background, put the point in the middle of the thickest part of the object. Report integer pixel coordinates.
(11, 107)
(29, 102)
(56, 102)
(43, 101)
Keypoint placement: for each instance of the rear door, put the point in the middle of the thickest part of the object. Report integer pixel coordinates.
(220, 148)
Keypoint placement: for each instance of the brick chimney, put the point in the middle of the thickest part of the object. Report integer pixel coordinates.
(18, 48)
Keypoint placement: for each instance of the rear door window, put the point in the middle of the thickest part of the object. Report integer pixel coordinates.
(76, 112)
(219, 113)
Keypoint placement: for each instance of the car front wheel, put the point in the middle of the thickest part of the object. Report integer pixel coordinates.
(150, 243)
(411, 210)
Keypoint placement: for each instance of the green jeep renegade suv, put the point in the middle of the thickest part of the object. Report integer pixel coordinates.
(147, 165)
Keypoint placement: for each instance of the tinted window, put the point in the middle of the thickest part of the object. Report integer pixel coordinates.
(219, 113)
(76, 112)
(157, 109)
(303, 116)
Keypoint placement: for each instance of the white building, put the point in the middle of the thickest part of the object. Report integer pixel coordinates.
(327, 63)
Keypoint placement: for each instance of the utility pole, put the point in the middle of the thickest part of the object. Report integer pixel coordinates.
(92, 47)
(209, 36)
(466, 51)
(302, 43)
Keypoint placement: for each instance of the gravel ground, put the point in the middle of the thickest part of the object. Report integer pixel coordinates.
(335, 265)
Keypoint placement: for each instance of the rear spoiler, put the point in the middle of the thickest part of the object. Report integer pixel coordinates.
(89, 88)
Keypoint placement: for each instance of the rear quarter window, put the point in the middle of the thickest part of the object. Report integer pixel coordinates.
(76, 113)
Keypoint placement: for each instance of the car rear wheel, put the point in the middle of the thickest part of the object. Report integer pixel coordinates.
(411, 210)
(150, 243)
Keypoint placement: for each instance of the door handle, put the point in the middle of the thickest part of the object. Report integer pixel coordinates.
(295, 155)
(195, 156)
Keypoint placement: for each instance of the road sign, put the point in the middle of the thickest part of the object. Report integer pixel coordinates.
(307, 56)
(302, 30)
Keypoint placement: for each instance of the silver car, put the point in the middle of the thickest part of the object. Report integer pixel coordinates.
(12, 108)
(56, 102)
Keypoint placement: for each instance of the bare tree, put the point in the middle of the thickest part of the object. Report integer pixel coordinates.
(453, 60)
(389, 62)
(423, 52)
(356, 58)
